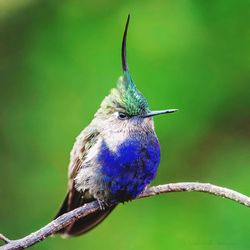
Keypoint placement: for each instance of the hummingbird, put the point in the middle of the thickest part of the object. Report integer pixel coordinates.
(116, 156)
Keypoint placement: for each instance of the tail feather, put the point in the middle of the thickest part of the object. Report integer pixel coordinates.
(85, 224)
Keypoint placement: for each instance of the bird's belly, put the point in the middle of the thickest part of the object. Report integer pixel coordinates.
(126, 172)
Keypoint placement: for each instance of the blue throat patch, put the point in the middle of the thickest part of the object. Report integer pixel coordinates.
(130, 169)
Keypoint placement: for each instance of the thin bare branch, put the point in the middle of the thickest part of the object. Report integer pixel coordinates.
(4, 239)
(67, 218)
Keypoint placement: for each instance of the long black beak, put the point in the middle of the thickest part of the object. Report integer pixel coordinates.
(159, 112)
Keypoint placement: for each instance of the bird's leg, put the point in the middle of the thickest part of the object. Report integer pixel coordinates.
(102, 204)
(146, 188)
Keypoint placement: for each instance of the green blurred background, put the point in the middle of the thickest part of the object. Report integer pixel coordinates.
(58, 59)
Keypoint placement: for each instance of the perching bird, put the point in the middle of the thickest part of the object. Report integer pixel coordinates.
(116, 156)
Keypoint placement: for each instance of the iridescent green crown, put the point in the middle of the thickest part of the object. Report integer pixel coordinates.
(131, 99)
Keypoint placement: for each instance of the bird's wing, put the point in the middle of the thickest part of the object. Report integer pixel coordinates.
(74, 199)
(86, 139)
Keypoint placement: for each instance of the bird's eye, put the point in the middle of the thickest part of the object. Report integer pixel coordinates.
(122, 116)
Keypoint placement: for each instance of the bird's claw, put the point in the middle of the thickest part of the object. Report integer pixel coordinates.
(102, 204)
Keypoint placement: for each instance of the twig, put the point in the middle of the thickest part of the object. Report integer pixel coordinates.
(4, 238)
(67, 218)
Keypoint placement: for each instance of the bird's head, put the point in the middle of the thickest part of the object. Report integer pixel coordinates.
(125, 105)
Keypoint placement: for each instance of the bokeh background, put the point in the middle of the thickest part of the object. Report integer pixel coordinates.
(58, 59)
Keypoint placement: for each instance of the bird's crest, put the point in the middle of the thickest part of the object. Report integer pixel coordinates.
(125, 96)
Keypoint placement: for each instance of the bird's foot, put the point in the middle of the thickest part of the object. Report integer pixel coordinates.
(102, 204)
